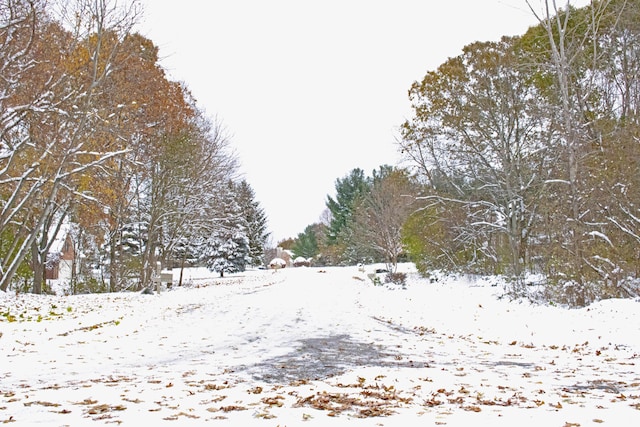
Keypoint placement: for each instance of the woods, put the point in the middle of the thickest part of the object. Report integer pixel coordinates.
(97, 142)
(518, 139)
(520, 158)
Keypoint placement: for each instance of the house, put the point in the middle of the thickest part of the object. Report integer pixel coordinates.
(60, 259)
(277, 263)
(285, 255)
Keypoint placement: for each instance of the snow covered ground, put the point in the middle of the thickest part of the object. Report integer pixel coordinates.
(313, 346)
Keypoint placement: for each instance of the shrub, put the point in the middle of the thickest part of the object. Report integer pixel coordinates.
(396, 278)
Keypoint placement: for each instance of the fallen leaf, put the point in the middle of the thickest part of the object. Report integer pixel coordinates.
(104, 408)
(87, 402)
(264, 415)
(273, 401)
(99, 409)
(432, 402)
(41, 403)
(231, 408)
(214, 387)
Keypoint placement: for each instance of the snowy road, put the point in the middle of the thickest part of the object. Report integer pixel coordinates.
(307, 344)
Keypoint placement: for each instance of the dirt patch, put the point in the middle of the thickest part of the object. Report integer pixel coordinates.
(320, 358)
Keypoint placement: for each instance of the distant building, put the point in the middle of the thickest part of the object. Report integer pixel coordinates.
(60, 258)
(286, 255)
(277, 263)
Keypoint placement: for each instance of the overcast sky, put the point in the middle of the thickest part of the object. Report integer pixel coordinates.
(309, 90)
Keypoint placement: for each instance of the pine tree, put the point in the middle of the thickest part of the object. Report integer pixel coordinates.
(256, 221)
(306, 245)
(349, 191)
(226, 250)
(229, 251)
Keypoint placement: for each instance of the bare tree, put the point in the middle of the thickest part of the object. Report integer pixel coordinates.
(188, 178)
(380, 215)
(573, 61)
(477, 140)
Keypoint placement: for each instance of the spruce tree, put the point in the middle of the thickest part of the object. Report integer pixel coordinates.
(256, 222)
(306, 245)
(226, 250)
(349, 191)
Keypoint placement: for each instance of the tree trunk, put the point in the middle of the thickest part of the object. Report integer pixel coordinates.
(563, 65)
(38, 266)
(181, 269)
(113, 271)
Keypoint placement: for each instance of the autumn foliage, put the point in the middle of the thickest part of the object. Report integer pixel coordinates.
(97, 143)
(528, 148)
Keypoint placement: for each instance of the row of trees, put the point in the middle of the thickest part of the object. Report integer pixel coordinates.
(528, 149)
(93, 133)
(522, 156)
(364, 221)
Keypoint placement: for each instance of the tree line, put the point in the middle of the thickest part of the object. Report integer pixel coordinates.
(95, 139)
(523, 155)
(364, 221)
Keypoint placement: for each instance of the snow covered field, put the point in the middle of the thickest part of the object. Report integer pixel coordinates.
(313, 346)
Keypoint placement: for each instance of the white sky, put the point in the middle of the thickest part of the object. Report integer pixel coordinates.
(309, 90)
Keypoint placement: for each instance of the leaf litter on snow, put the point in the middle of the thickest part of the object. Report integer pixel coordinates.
(301, 346)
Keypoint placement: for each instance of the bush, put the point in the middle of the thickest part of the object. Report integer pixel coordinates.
(89, 286)
(396, 278)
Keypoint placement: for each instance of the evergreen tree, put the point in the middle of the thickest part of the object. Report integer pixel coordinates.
(256, 221)
(226, 250)
(229, 251)
(349, 191)
(306, 245)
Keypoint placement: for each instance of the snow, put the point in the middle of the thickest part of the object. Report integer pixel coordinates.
(315, 347)
(603, 236)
